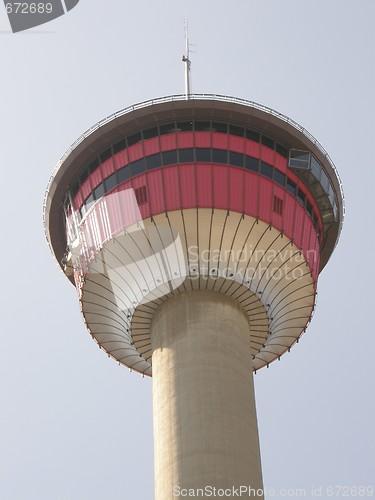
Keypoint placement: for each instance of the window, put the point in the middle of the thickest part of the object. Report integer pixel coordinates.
(279, 177)
(324, 181)
(309, 208)
(254, 136)
(83, 176)
(123, 174)
(236, 159)
(75, 190)
(278, 205)
(167, 128)
(185, 126)
(219, 127)
(169, 157)
(134, 138)
(186, 155)
(266, 169)
(220, 155)
(234, 130)
(301, 197)
(291, 187)
(203, 154)
(299, 159)
(251, 163)
(141, 195)
(268, 142)
(281, 150)
(153, 161)
(202, 126)
(110, 182)
(93, 165)
(105, 155)
(119, 146)
(138, 167)
(150, 132)
(315, 168)
(99, 191)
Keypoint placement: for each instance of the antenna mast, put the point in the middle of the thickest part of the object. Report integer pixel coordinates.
(186, 60)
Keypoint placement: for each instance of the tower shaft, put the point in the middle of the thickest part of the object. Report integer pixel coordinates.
(205, 424)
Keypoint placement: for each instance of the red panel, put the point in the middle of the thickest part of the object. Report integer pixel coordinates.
(188, 186)
(172, 188)
(267, 155)
(277, 220)
(298, 226)
(204, 185)
(265, 200)
(306, 235)
(107, 168)
(135, 152)
(281, 163)
(121, 159)
(151, 146)
(236, 189)
(251, 194)
(85, 189)
(221, 191)
(156, 191)
(168, 142)
(185, 140)
(202, 139)
(219, 141)
(237, 144)
(289, 213)
(96, 176)
(138, 182)
(252, 148)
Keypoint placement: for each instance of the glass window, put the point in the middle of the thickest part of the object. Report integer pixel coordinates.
(254, 136)
(169, 157)
(99, 191)
(279, 177)
(268, 142)
(119, 146)
(83, 176)
(315, 168)
(220, 155)
(110, 182)
(219, 127)
(301, 197)
(324, 181)
(75, 189)
(266, 169)
(153, 161)
(167, 128)
(186, 155)
(299, 159)
(89, 202)
(138, 167)
(203, 154)
(309, 208)
(202, 126)
(105, 155)
(134, 138)
(331, 195)
(123, 174)
(291, 187)
(185, 126)
(235, 130)
(236, 159)
(281, 150)
(251, 163)
(150, 132)
(93, 165)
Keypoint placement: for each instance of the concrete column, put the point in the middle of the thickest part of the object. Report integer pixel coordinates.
(205, 424)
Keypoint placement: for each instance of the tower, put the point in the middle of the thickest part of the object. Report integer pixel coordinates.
(194, 231)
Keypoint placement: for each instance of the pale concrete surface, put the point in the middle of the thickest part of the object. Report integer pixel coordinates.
(205, 424)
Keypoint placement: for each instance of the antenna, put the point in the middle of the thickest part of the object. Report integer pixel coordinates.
(186, 60)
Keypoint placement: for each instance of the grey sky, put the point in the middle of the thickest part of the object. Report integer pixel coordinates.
(74, 425)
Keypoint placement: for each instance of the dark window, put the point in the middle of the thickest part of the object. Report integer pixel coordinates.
(220, 155)
(301, 197)
(278, 205)
(315, 220)
(138, 167)
(236, 159)
(167, 128)
(110, 182)
(105, 155)
(299, 159)
(123, 174)
(134, 138)
(309, 208)
(254, 136)
(279, 177)
(203, 154)
(268, 142)
(291, 187)
(324, 181)
(89, 201)
(99, 191)
(266, 169)
(150, 132)
(186, 155)
(74, 190)
(252, 163)
(153, 161)
(169, 157)
(93, 165)
(119, 146)
(83, 176)
(234, 130)
(141, 195)
(219, 127)
(202, 126)
(185, 126)
(281, 150)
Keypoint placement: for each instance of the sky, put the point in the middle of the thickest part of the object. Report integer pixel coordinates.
(73, 424)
